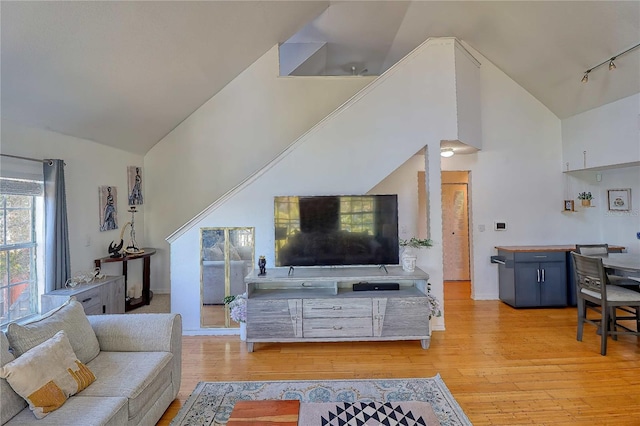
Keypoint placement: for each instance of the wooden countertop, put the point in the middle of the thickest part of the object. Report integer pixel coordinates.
(565, 248)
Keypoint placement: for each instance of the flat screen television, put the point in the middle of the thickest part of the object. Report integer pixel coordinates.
(336, 230)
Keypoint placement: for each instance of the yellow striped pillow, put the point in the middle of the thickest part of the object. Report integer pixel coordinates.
(47, 375)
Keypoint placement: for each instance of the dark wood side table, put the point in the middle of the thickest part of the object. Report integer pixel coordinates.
(147, 294)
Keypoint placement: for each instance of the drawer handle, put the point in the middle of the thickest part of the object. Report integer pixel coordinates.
(337, 308)
(86, 300)
(540, 256)
(337, 327)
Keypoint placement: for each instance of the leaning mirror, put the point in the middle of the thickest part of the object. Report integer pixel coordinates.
(227, 256)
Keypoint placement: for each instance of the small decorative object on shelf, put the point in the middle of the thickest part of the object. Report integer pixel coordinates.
(585, 198)
(569, 206)
(84, 277)
(262, 264)
(408, 256)
(132, 247)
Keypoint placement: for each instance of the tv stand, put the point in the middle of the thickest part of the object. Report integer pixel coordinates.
(290, 270)
(319, 305)
(383, 267)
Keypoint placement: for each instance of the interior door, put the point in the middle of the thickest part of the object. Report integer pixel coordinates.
(455, 230)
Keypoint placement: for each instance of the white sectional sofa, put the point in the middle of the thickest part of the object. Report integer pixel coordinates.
(136, 364)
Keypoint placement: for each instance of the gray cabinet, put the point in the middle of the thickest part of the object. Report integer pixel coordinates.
(533, 279)
(105, 296)
(319, 305)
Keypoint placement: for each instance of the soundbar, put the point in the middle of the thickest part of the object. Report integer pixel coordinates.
(375, 286)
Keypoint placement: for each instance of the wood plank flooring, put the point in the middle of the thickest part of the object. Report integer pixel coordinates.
(504, 366)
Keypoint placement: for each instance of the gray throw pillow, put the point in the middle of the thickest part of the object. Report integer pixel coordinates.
(71, 318)
(12, 403)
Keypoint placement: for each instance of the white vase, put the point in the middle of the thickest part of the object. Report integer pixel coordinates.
(243, 331)
(408, 260)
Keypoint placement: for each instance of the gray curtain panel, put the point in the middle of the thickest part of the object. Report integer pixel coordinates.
(57, 260)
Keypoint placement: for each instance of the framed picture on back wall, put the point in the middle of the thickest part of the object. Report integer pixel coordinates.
(619, 199)
(134, 178)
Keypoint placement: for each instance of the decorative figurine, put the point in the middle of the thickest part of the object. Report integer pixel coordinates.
(262, 264)
(132, 248)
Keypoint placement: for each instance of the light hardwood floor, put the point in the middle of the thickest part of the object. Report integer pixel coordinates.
(504, 366)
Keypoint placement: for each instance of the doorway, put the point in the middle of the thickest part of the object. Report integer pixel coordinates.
(455, 226)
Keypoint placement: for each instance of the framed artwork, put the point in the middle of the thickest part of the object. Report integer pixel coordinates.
(569, 206)
(134, 178)
(619, 199)
(108, 196)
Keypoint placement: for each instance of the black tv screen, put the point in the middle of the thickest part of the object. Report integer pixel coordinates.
(336, 230)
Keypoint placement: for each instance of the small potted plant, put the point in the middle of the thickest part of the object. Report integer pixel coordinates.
(238, 311)
(585, 198)
(408, 256)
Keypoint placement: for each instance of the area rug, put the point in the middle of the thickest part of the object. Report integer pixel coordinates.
(211, 403)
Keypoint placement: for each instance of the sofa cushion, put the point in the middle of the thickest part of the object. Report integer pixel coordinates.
(12, 403)
(139, 376)
(47, 375)
(69, 317)
(80, 411)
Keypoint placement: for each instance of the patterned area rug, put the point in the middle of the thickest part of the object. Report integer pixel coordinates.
(405, 413)
(211, 403)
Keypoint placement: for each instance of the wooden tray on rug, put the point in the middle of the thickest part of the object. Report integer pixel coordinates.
(269, 412)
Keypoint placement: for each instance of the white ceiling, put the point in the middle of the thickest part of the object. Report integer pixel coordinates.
(126, 73)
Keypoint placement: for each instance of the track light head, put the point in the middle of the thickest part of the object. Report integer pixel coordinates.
(612, 66)
(585, 79)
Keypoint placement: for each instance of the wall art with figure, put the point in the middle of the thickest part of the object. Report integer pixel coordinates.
(134, 177)
(108, 208)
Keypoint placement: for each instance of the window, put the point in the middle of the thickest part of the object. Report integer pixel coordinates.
(357, 214)
(21, 227)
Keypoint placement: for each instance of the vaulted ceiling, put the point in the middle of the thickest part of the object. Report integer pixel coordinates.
(126, 73)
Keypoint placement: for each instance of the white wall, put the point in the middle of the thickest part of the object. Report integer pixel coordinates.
(468, 98)
(88, 166)
(350, 152)
(234, 134)
(603, 136)
(404, 182)
(515, 178)
(598, 224)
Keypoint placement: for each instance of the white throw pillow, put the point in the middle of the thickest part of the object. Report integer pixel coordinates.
(71, 318)
(47, 375)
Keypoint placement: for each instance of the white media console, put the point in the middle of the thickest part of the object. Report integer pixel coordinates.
(319, 305)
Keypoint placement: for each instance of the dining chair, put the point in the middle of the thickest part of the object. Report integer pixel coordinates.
(603, 250)
(592, 293)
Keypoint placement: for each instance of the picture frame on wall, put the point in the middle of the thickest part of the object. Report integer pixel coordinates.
(134, 179)
(108, 207)
(619, 199)
(569, 206)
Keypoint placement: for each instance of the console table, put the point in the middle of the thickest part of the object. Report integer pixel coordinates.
(147, 294)
(320, 305)
(103, 296)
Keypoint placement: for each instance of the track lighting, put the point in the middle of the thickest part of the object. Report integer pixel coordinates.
(586, 76)
(612, 65)
(446, 152)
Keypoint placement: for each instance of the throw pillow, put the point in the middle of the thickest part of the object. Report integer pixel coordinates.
(10, 402)
(71, 318)
(47, 375)
(233, 253)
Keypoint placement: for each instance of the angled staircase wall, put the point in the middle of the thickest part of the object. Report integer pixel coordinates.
(412, 106)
